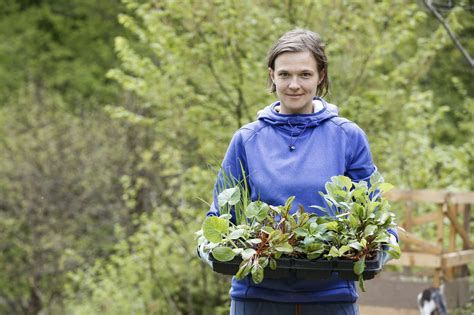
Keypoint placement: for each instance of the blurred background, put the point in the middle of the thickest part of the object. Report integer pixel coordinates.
(115, 115)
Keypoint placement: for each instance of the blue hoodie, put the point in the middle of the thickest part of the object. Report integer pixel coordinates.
(295, 155)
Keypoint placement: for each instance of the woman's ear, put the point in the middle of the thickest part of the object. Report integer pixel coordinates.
(272, 74)
(322, 75)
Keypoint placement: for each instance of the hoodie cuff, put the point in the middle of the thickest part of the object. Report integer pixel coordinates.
(394, 233)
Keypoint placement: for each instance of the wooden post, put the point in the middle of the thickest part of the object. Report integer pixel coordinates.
(408, 207)
(440, 237)
(467, 221)
(453, 210)
(409, 219)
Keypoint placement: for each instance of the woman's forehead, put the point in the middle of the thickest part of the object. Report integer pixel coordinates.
(296, 61)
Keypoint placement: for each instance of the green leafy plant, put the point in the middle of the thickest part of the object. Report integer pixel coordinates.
(360, 220)
(354, 228)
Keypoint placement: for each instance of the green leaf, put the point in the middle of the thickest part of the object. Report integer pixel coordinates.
(267, 229)
(359, 266)
(223, 253)
(244, 269)
(301, 232)
(289, 202)
(312, 227)
(370, 230)
(320, 229)
(372, 206)
(324, 210)
(284, 247)
(226, 216)
(361, 283)
(331, 189)
(263, 261)
(334, 252)
(213, 228)
(273, 264)
(395, 251)
(248, 253)
(258, 210)
(292, 222)
(314, 255)
(257, 273)
(355, 245)
(353, 221)
(286, 209)
(311, 247)
(344, 181)
(275, 209)
(254, 241)
(275, 234)
(331, 226)
(376, 179)
(358, 211)
(382, 217)
(230, 196)
(236, 234)
(345, 207)
(344, 249)
(381, 238)
(328, 237)
(237, 251)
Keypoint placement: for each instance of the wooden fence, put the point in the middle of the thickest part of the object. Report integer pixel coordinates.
(440, 255)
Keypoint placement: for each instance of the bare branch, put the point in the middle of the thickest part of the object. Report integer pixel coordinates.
(429, 5)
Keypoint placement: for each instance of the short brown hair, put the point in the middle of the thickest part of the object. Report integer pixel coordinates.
(298, 40)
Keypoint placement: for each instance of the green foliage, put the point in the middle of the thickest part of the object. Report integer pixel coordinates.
(214, 227)
(59, 197)
(65, 47)
(355, 227)
(393, 97)
(191, 72)
(197, 70)
(151, 272)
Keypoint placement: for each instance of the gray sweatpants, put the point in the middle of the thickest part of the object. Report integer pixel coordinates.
(253, 307)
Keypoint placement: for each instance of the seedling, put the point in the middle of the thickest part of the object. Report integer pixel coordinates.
(354, 228)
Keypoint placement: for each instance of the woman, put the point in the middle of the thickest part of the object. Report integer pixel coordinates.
(297, 144)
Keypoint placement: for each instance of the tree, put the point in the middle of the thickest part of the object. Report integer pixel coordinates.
(197, 70)
(60, 198)
(61, 46)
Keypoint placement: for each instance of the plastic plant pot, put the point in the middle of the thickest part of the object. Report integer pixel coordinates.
(308, 269)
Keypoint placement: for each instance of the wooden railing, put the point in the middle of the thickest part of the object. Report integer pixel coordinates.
(437, 254)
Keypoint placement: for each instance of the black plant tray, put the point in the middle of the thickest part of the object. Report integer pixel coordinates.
(307, 269)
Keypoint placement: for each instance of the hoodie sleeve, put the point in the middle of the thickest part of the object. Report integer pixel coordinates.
(359, 163)
(231, 169)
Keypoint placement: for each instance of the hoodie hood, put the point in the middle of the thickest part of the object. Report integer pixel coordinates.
(323, 111)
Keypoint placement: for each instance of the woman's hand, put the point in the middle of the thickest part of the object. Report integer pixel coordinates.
(385, 256)
(204, 255)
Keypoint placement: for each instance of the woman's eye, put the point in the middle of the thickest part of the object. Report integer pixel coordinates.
(283, 75)
(306, 75)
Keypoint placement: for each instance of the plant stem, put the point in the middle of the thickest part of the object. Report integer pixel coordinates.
(230, 241)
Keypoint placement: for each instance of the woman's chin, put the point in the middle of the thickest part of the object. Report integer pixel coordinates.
(296, 108)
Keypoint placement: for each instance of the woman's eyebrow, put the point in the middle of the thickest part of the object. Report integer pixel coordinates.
(297, 71)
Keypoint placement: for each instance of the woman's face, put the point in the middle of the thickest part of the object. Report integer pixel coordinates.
(296, 79)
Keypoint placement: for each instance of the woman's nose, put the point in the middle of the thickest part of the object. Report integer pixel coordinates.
(294, 85)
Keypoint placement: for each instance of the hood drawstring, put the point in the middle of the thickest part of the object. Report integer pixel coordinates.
(294, 135)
